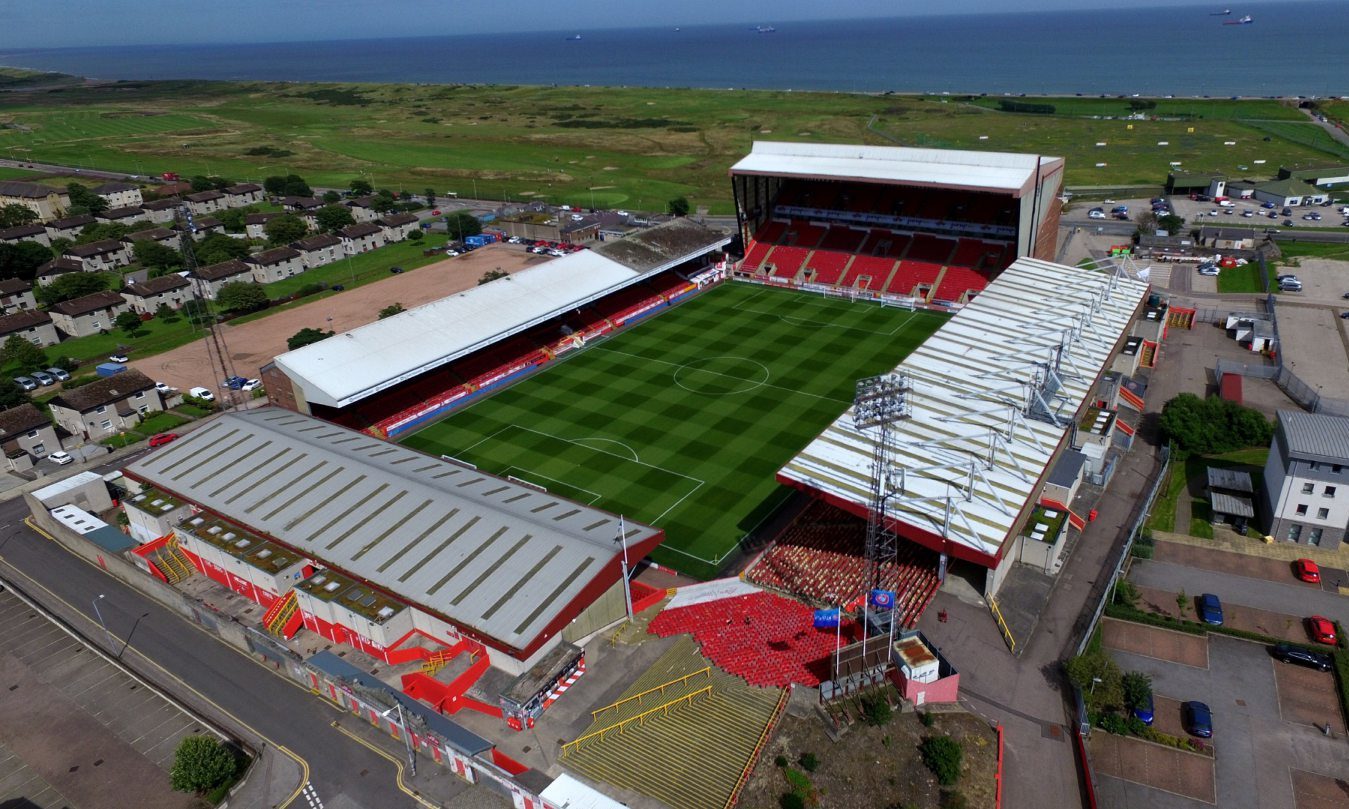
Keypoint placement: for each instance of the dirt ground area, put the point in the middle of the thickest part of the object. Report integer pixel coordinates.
(1307, 696)
(1315, 345)
(1313, 791)
(1239, 564)
(1155, 642)
(253, 344)
(877, 766)
(1164, 768)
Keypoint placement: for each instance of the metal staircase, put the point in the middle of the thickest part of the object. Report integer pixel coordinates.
(283, 618)
(173, 563)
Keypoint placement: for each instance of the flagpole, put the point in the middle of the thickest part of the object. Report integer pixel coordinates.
(627, 588)
(838, 641)
(866, 613)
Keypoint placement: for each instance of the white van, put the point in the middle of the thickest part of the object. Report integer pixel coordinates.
(202, 393)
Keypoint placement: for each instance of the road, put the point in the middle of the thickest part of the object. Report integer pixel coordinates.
(1291, 598)
(178, 656)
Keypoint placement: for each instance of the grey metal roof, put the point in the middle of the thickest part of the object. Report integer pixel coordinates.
(1316, 437)
(1231, 504)
(489, 554)
(665, 245)
(1068, 470)
(1229, 479)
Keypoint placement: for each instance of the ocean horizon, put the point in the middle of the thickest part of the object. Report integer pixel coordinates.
(1289, 50)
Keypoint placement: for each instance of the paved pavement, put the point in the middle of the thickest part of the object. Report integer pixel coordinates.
(1291, 599)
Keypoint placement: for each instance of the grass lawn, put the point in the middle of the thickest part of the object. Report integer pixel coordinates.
(364, 268)
(603, 146)
(1294, 250)
(683, 421)
(155, 336)
(1190, 469)
(152, 424)
(1245, 278)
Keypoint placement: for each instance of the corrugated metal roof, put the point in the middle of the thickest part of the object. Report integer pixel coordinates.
(488, 554)
(1231, 479)
(351, 366)
(969, 443)
(1314, 436)
(954, 168)
(1224, 503)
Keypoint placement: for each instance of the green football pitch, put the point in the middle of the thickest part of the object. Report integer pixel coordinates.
(682, 421)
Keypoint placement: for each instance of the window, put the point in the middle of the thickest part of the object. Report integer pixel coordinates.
(32, 433)
(1294, 532)
(1315, 465)
(1322, 513)
(139, 395)
(1329, 492)
(1302, 509)
(1307, 488)
(1337, 468)
(106, 424)
(97, 324)
(39, 450)
(101, 409)
(1314, 536)
(143, 409)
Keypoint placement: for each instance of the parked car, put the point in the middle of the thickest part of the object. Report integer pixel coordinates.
(117, 358)
(163, 388)
(251, 384)
(1198, 719)
(234, 382)
(1145, 712)
(1288, 653)
(62, 375)
(201, 393)
(26, 382)
(1096, 213)
(436, 212)
(1307, 570)
(395, 270)
(60, 458)
(1210, 269)
(44, 378)
(1268, 205)
(160, 439)
(1321, 629)
(1210, 609)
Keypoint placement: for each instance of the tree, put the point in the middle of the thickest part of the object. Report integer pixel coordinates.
(233, 218)
(73, 285)
(157, 256)
(383, 204)
(21, 355)
(241, 296)
(332, 218)
(82, 200)
(291, 185)
(330, 196)
(102, 230)
(1171, 223)
(942, 755)
(14, 215)
(284, 229)
(391, 310)
(1147, 222)
(60, 245)
(430, 196)
(212, 183)
(678, 206)
(201, 763)
(197, 312)
(129, 322)
(11, 395)
(360, 188)
(22, 260)
(1137, 688)
(416, 235)
(1098, 677)
(462, 223)
(306, 336)
(492, 275)
(405, 196)
(166, 314)
(218, 247)
(1141, 104)
(1213, 425)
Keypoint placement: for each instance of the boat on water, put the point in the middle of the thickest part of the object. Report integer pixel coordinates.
(1247, 20)
(1227, 12)
(574, 38)
(766, 29)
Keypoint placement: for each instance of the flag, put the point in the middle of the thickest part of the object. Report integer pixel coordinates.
(883, 599)
(826, 619)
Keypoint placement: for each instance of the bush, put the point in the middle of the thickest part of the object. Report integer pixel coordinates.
(1213, 425)
(876, 709)
(312, 288)
(809, 762)
(1126, 593)
(780, 761)
(201, 763)
(942, 755)
(1137, 688)
(790, 800)
(927, 718)
(951, 799)
(1113, 723)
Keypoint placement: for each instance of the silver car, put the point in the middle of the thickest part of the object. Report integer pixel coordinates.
(44, 378)
(27, 383)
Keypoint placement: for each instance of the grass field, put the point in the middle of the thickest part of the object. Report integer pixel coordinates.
(683, 421)
(603, 146)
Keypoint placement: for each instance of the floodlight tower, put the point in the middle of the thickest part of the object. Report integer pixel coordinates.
(217, 353)
(879, 403)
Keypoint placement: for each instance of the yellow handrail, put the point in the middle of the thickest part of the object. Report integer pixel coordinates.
(758, 748)
(665, 707)
(1002, 624)
(661, 688)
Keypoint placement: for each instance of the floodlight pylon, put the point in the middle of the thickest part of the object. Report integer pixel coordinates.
(879, 403)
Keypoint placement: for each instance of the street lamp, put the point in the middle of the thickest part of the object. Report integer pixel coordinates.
(112, 643)
(407, 736)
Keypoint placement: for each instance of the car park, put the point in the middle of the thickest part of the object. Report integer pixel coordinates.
(1289, 653)
(61, 374)
(1209, 269)
(1248, 214)
(1286, 212)
(60, 458)
(1198, 719)
(1321, 629)
(201, 393)
(1096, 213)
(1210, 609)
(1268, 205)
(1307, 570)
(44, 378)
(234, 382)
(160, 439)
(25, 382)
(436, 212)
(1288, 223)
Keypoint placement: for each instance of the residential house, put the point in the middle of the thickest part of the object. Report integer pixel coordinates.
(211, 278)
(26, 435)
(161, 211)
(55, 269)
(123, 216)
(397, 226)
(204, 202)
(90, 314)
(301, 204)
(203, 226)
(16, 295)
(363, 209)
(177, 189)
(102, 255)
(164, 236)
(120, 195)
(1305, 492)
(26, 233)
(31, 324)
(255, 224)
(1228, 238)
(145, 298)
(47, 202)
(70, 227)
(237, 196)
(275, 264)
(362, 237)
(318, 250)
(108, 406)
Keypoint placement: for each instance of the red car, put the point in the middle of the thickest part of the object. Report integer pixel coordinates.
(436, 212)
(1321, 629)
(1307, 570)
(161, 439)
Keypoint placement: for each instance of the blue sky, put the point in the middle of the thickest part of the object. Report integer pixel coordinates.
(58, 23)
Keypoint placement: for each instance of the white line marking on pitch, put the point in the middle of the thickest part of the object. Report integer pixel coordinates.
(528, 474)
(610, 441)
(715, 373)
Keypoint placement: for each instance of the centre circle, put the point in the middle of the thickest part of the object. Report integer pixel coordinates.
(721, 376)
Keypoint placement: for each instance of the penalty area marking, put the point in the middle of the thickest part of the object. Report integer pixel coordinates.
(796, 320)
(528, 476)
(633, 452)
(680, 365)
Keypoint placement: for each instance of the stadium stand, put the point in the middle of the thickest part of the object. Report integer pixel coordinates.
(827, 266)
(957, 283)
(868, 272)
(786, 261)
(911, 275)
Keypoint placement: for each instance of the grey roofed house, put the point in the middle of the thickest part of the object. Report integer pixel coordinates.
(1316, 437)
(396, 219)
(81, 221)
(504, 560)
(1230, 479)
(23, 319)
(9, 286)
(301, 203)
(133, 212)
(223, 269)
(276, 255)
(113, 188)
(89, 303)
(150, 235)
(157, 286)
(21, 419)
(97, 248)
(363, 229)
(1226, 234)
(15, 188)
(20, 232)
(316, 242)
(59, 266)
(161, 204)
(104, 391)
(204, 196)
(243, 188)
(261, 218)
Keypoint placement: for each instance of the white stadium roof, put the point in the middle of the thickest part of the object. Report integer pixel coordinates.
(948, 168)
(970, 457)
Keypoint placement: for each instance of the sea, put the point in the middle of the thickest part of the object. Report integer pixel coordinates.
(1291, 49)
